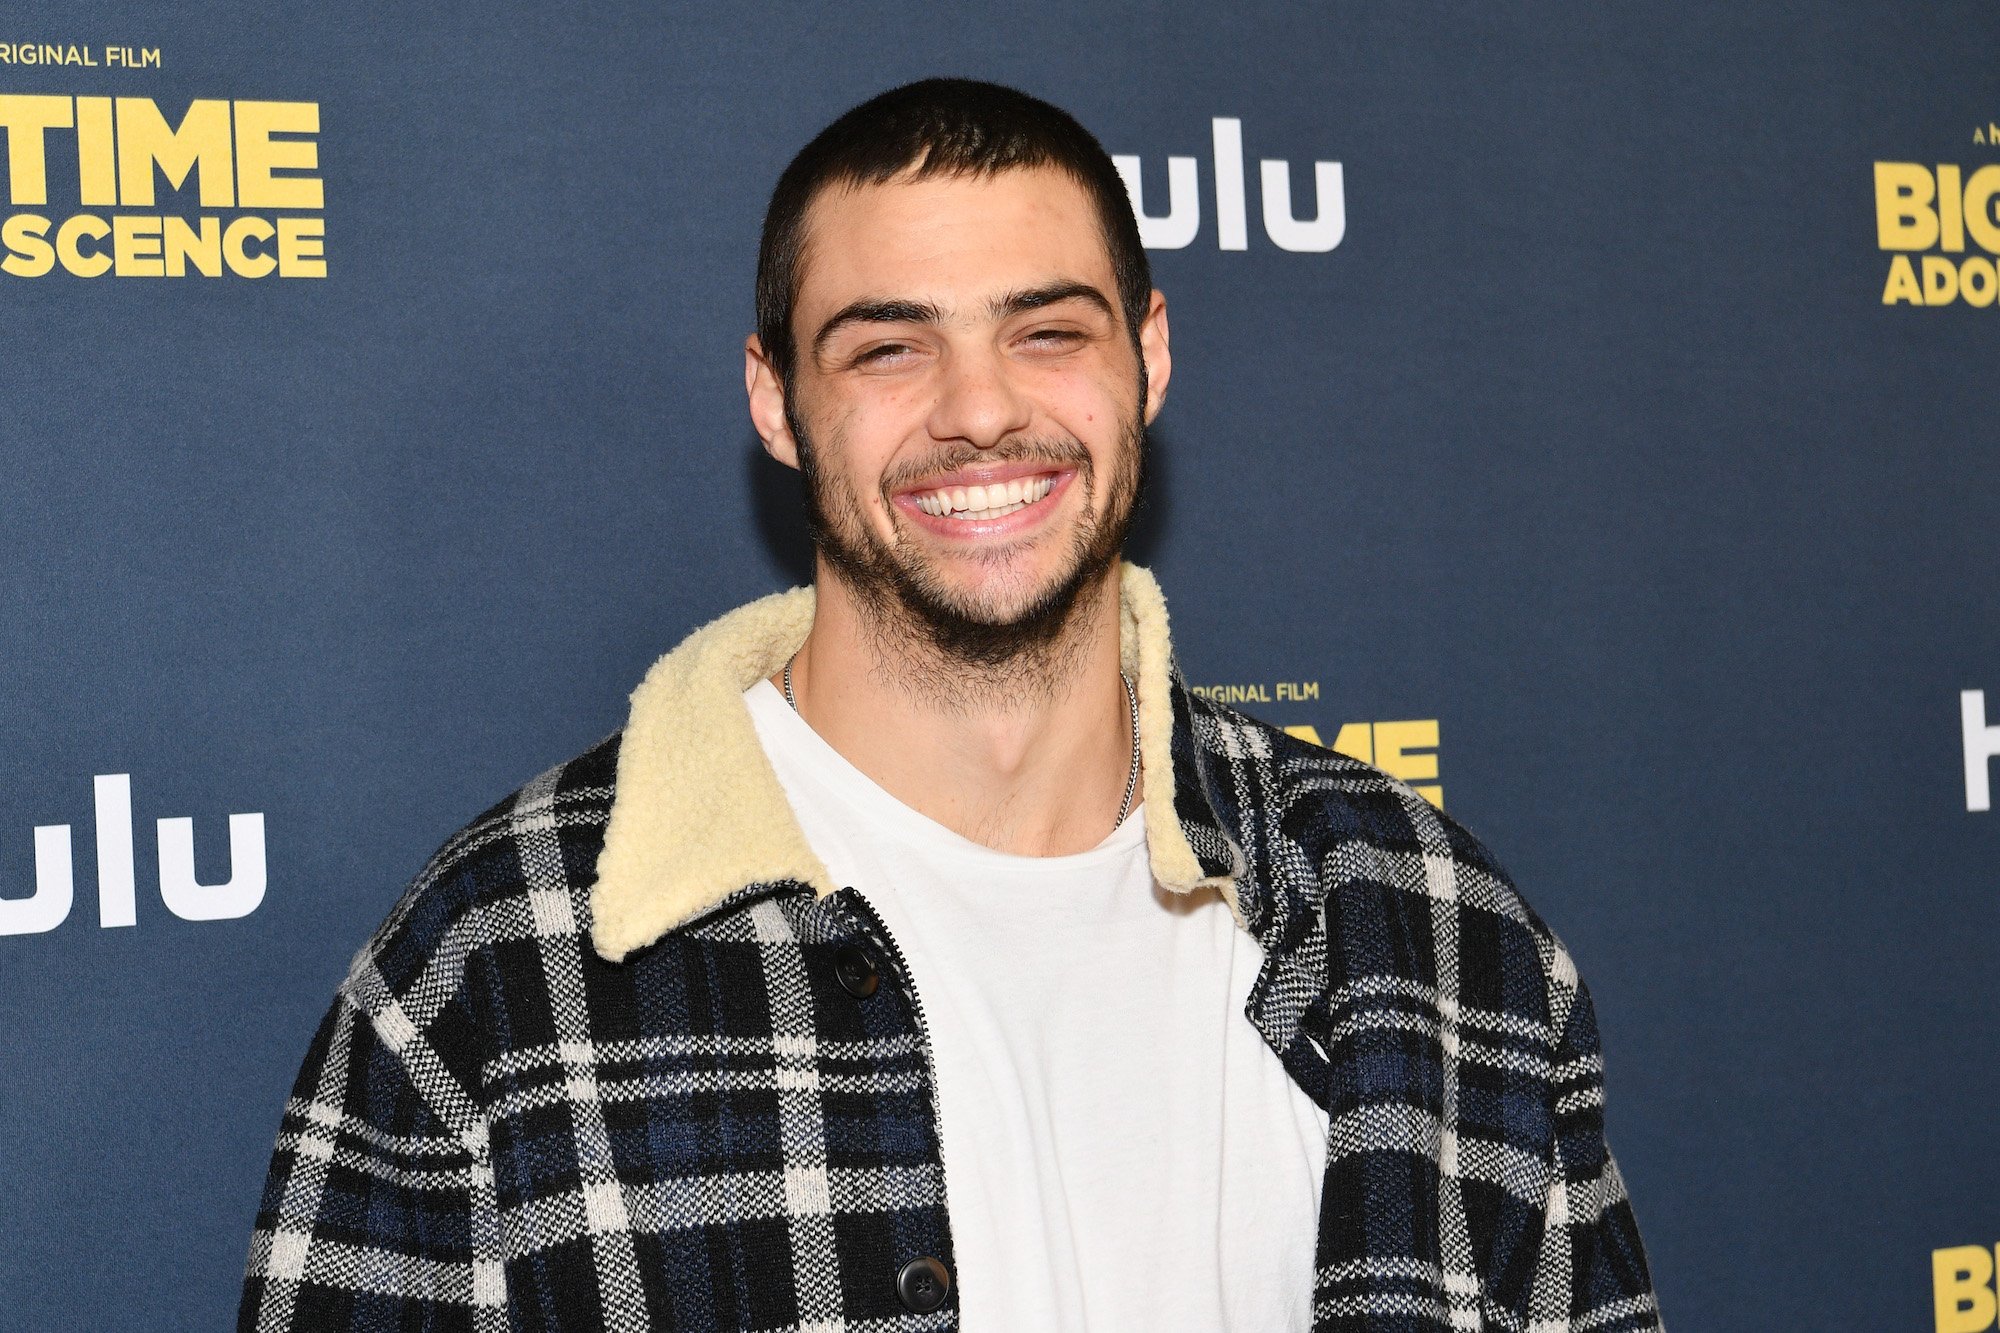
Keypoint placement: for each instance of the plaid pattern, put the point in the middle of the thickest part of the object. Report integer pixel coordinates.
(496, 1129)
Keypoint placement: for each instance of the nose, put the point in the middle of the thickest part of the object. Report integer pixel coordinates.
(978, 400)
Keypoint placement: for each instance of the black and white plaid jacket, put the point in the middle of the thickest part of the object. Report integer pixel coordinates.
(622, 1058)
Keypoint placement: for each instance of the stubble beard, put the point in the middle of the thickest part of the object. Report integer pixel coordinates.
(956, 651)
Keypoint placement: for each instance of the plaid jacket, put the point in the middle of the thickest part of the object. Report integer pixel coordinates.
(622, 1058)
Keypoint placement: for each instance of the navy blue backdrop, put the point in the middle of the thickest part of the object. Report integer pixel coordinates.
(1625, 472)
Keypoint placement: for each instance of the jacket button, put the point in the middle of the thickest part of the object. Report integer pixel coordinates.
(923, 1284)
(855, 971)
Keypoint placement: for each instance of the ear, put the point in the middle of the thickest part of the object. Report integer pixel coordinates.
(1153, 347)
(767, 403)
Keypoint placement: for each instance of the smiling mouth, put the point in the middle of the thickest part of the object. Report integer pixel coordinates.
(973, 504)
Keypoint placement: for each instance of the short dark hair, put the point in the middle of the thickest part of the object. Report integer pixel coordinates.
(938, 127)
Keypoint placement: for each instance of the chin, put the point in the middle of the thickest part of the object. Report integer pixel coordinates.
(998, 596)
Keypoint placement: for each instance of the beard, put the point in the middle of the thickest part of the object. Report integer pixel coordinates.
(958, 636)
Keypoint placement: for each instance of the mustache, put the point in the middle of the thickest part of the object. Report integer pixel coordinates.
(1057, 451)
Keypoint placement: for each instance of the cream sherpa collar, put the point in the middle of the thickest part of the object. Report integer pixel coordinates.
(698, 812)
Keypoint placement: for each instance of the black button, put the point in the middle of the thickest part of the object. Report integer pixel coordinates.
(923, 1284)
(856, 971)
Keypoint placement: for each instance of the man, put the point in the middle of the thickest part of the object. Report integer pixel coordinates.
(922, 953)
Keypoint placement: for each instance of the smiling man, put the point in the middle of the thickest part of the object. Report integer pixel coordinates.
(922, 954)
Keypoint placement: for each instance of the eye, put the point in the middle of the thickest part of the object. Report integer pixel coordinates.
(883, 355)
(1052, 339)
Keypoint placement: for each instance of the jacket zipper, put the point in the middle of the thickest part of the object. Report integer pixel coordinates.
(864, 908)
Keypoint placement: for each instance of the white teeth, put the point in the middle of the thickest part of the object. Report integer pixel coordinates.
(979, 503)
(980, 515)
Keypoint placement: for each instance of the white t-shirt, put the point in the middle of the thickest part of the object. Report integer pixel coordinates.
(1121, 1149)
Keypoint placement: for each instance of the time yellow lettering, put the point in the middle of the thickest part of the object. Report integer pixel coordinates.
(27, 118)
(200, 143)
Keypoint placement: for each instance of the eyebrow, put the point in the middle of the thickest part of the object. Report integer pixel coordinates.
(876, 312)
(1055, 293)
(867, 311)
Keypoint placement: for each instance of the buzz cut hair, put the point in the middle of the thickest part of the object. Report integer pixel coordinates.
(939, 127)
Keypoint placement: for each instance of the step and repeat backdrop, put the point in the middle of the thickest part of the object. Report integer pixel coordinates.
(1588, 414)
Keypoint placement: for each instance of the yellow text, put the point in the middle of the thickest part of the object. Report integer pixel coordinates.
(1962, 1288)
(258, 157)
(1941, 208)
(163, 246)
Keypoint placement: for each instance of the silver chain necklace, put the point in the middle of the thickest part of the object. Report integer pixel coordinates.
(1131, 704)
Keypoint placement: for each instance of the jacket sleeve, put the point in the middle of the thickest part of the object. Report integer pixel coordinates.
(368, 1213)
(1591, 1270)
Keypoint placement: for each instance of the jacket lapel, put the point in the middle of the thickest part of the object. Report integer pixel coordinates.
(698, 813)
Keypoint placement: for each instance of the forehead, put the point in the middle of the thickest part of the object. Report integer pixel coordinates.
(953, 240)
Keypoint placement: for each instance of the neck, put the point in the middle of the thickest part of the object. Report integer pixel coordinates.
(1028, 755)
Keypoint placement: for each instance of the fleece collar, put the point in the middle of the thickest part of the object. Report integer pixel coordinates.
(698, 813)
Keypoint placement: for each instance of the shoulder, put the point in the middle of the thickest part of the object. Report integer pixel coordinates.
(520, 869)
(1405, 893)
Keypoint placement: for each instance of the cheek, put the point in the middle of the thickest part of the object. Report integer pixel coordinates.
(867, 452)
(1092, 396)
(1090, 412)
